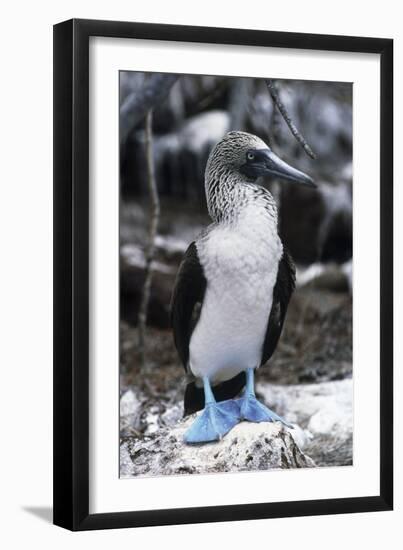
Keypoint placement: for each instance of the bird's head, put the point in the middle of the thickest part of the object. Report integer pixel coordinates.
(250, 157)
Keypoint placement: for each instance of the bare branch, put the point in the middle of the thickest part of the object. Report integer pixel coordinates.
(136, 105)
(240, 89)
(150, 251)
(280, 106)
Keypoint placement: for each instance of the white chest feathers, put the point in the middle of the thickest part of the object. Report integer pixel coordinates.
(240, 264)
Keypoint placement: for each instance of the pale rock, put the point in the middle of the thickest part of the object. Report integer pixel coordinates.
(324, 413)
(130, 411)
(127, 468)
(129, 403)
(247, 447)
(321, 414)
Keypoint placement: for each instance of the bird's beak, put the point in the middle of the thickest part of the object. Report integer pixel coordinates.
(275, 167)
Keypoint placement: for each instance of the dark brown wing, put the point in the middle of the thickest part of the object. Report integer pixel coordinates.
(187, 300)
(284, 287)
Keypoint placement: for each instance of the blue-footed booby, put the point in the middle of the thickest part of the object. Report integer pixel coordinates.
(232, 288)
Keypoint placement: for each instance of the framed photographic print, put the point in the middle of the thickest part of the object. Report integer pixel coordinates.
(223, 316)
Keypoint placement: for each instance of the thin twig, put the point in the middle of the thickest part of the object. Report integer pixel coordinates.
(150, 251)
(275, 187)
(281, 107)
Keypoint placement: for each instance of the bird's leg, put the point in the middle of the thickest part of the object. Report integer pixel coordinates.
(216, 419)
(251, 409)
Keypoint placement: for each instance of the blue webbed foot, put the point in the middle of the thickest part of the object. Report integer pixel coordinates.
(214, 422)
(251, 409)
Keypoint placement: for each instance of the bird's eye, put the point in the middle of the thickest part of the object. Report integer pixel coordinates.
(250, 156)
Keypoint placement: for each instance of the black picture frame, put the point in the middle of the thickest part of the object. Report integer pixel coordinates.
(71, 274)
